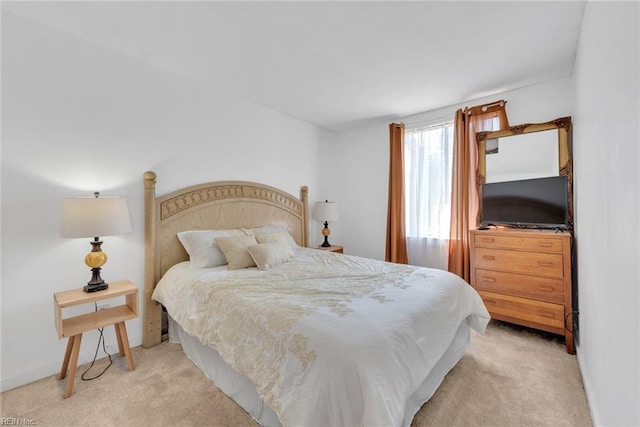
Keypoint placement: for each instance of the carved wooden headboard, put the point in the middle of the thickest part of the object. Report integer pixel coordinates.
(211, 206)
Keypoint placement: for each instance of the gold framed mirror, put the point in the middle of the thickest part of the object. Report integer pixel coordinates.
(532, 150)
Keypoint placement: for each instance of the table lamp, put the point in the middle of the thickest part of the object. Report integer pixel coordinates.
(93, 217)
(324, 212)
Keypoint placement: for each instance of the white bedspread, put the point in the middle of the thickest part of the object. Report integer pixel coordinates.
(327, 339)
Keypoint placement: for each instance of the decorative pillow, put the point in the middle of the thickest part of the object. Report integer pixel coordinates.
(201, 247)
(267, 255)
(271, 229)
(235, 250)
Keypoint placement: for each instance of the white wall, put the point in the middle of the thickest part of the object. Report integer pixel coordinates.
(607, 191)
(355, 169)
(78, 118)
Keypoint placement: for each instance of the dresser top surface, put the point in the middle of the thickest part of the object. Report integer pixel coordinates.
(523, 232)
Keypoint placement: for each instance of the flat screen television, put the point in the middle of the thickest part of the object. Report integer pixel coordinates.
(538, 202)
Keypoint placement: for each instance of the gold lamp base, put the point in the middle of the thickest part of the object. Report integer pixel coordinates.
(94, 260)
(326, 232)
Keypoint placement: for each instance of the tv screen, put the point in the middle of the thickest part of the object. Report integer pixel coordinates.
(539, 202)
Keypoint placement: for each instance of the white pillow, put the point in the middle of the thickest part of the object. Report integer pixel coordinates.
(267, 255)
(201, 247)
(274, 229)
(235, 250)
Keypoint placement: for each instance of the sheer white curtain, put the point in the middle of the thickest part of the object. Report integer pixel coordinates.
(428, 154)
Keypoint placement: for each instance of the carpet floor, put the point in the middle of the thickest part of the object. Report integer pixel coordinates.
(512, 376)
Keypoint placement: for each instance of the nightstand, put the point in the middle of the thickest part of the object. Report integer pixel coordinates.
(332, 248)
(73, 327)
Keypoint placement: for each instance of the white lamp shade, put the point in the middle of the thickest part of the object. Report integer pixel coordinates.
(326, 211)
(94, 217)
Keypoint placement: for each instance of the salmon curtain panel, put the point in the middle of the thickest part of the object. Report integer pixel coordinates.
(464, 197)
(396, 250)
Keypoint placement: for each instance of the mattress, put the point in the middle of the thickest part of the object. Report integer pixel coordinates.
(325, 339)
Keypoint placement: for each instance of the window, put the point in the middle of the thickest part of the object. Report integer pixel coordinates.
(428, 154)
(428, 162)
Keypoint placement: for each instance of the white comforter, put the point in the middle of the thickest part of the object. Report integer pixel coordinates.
(327, 339)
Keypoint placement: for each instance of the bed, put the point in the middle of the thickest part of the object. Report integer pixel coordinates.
(302, 337)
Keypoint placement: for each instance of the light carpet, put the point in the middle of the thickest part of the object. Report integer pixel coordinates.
(512, 376)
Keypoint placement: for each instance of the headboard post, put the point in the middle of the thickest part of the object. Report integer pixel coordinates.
(152, 311)
(304, 196)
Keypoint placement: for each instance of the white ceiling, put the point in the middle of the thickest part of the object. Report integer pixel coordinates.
(336, 64)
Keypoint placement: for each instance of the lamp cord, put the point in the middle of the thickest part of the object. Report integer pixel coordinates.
(104, 348)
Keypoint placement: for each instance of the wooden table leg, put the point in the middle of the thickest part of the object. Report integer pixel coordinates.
(77, 339)
(67, 355)
(123, 343)
(119, 338)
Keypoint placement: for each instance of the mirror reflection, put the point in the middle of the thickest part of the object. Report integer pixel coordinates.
(524, 156)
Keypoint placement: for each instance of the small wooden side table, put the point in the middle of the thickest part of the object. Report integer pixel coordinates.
(332, 248)
(74, 327)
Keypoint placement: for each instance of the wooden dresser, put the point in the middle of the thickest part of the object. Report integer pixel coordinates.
(524, 277)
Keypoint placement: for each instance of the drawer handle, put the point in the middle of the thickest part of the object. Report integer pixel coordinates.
(545, 244)
(488, 257)
(489, 279)
(546, 288)
(545, 264)
(490, 301)
(546, 314)
(488, 240)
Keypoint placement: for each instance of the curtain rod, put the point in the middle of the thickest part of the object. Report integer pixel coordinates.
(495, 104)
(485, 107)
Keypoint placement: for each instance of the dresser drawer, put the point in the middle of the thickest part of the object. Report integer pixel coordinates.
(542, 288)
(532, 263)
(508, 308)
(517, 242)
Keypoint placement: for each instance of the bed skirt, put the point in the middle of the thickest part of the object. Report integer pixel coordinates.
(239, 388)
